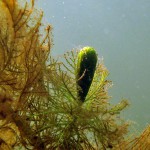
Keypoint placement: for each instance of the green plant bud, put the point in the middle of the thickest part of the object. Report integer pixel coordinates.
(86, 65)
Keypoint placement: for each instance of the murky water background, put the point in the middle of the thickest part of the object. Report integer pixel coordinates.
(120, 31)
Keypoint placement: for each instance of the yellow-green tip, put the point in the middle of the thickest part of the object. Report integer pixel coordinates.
(86, 65)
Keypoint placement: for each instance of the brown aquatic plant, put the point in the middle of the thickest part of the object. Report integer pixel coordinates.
(23, 55)
(141, 142)
(39, 104)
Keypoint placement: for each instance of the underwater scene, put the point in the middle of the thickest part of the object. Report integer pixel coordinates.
(120, 31)
(74, 75)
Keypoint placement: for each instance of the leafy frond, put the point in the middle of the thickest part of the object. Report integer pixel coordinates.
(75, 121)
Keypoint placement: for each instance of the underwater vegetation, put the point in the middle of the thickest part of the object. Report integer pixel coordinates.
(44, 104)
(86, 66)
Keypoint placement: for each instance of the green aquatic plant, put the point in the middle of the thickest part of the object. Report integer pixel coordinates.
(48, 103)
(88, 125)
(86, 65)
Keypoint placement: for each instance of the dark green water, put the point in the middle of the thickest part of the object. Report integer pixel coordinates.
(120, 31)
